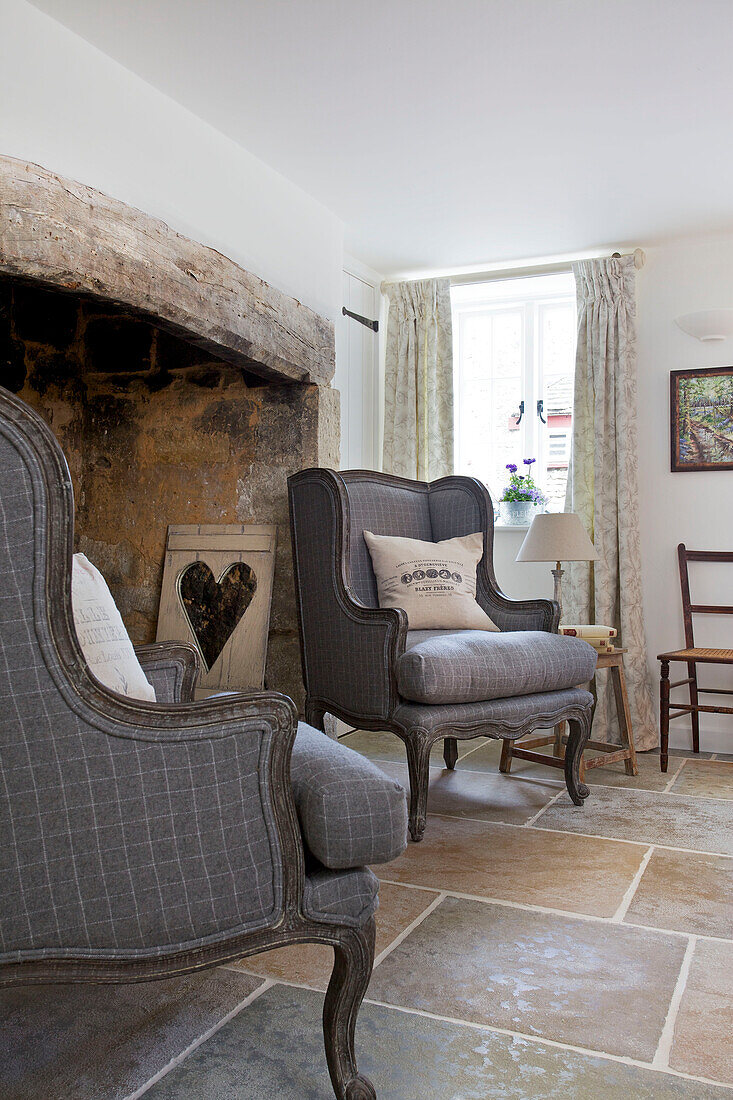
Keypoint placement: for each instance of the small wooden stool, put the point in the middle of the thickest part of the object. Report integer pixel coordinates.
(609, 753)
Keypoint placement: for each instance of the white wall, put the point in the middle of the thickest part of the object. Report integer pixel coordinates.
(694, 508)
(522, 580)
(69, 107)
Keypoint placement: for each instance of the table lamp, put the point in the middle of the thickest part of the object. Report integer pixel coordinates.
(558, 537)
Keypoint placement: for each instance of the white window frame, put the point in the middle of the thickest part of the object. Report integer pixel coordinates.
(531, 294)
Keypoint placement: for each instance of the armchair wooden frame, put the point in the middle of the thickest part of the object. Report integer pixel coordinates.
(692, 655)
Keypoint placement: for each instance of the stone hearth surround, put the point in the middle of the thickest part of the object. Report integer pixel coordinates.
(181, 388)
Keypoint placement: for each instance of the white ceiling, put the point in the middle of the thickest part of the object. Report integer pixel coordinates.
(448, 133)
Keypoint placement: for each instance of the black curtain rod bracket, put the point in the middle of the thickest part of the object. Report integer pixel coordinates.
(373, 325)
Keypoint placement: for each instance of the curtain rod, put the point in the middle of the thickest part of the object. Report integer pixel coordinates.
(511, 273)
(557, 267)
(552, 267)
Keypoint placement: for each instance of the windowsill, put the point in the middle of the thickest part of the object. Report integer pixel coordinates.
(511, 527)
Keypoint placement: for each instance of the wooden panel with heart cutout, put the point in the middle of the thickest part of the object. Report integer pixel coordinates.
(217, 589)
(214, 606)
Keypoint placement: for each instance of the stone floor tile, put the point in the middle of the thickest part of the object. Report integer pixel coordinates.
(273, 1050)
(649, 817)
(603, 987)
(312, 963)
(387, 746)
(706, 779)
(102, 1042)
(481, 795)
(581, 875)
(703, 1033)
(685, 891)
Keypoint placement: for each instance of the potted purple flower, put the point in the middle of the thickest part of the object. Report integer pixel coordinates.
(521, 499)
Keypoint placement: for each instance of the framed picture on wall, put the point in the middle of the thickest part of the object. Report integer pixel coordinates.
(701, 416)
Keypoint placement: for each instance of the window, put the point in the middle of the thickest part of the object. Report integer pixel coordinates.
(514, 358)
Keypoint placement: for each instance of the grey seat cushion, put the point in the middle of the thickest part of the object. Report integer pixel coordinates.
(350, 812)
(471, 666)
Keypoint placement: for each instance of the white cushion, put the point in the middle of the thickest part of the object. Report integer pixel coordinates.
(102, 636)
(435, 582)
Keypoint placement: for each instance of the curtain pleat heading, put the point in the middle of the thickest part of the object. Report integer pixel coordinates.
(418, 400)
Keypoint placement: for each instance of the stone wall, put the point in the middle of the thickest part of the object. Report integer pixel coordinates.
(155, 431)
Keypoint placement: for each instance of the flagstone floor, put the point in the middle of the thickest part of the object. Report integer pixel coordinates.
(526, 949)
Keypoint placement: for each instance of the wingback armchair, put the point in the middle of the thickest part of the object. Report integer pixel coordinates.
(361, 662)
(141, 839)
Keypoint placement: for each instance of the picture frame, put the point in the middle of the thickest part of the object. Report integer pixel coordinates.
(701, 419)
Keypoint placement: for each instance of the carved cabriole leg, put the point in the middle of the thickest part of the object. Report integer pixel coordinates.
(352, 969)
(450, 752)
(418, 767)
(578, 734)
(664, 716)
(314, 715)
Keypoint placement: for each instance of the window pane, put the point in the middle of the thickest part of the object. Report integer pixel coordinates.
(557, 370)
(489, 386)
(476, 346)
(515, 341)
(507, 344)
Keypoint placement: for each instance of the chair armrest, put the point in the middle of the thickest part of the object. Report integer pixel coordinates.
(349, 650)
(376, 638)
(508, 614)
(172, 668)
(351, 813)
(352, 657)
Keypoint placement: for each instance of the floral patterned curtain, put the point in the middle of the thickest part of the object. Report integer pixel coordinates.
(418, 401)
(602, 485)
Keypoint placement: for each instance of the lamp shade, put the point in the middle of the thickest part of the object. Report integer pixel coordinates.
(557, 536)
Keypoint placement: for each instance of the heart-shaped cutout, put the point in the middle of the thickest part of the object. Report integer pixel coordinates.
(214, 607)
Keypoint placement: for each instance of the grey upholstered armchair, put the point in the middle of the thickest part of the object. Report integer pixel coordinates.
(141, 840)
(362, 664)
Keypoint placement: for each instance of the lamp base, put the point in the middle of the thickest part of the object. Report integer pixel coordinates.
(558, 575)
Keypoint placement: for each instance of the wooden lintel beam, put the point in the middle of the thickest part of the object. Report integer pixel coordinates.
(70, 237)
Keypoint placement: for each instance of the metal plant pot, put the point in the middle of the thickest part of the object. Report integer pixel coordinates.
(518, 513)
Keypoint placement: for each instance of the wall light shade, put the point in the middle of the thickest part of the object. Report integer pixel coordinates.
(707, 324)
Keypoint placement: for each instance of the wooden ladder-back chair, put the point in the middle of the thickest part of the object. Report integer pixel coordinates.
(692, 655)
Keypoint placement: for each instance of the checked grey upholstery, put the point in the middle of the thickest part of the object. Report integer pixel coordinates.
(469, 666)
(360, 662)
(142, 839)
